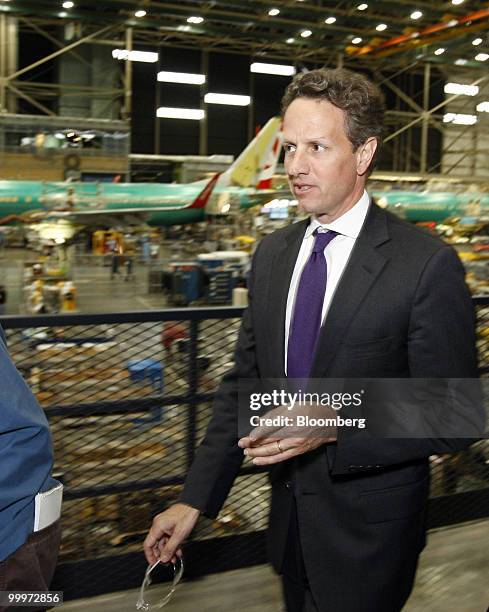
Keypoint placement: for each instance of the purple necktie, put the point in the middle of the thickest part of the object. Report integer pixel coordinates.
(306, 319)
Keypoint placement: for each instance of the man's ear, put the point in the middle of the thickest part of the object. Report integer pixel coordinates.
(365, 154)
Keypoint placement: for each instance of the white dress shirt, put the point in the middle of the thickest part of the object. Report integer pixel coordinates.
(337, 253)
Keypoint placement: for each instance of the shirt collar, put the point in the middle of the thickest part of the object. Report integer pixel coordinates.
(349, 224)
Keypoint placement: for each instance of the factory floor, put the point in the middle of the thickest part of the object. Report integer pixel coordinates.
(452, 576)
(96, 292)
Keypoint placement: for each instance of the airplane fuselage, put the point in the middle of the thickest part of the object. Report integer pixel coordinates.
(433, 206)
(172, 200)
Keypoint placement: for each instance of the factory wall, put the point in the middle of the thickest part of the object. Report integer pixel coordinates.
(74, 71)
(33, 47)
(173, 136)
(466, 147)
(143, 110)
(403, 153)
(228, 128)
(93, 67)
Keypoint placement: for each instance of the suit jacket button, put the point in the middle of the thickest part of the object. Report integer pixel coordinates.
(288, 485)
(356, 468)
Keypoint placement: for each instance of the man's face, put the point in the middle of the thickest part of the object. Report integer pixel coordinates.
(325, 175)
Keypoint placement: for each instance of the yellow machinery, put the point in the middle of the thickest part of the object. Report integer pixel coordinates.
(104, 241)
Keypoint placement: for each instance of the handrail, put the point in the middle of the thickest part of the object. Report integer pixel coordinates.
(143, 316)
(133, 316)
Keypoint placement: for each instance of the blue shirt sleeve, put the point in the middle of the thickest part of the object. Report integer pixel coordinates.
(26, 452)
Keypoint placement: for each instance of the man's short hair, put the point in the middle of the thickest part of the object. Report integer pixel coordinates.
(361, 101)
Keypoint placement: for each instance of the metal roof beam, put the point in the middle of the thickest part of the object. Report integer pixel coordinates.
(432, 110)
(30, 24)
(43, 60)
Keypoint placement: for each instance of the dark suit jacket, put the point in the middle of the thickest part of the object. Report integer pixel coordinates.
(401, 309)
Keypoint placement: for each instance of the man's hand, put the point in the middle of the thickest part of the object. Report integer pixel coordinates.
(168, 531)
(269, 444)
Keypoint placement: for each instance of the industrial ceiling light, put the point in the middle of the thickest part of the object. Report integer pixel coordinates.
(482, 57)
(416, 14)
(274, 12)
(460, 62)
(63, 14)
(306, 33)
(457, 2)
(483, 107)
(357, 40)
(187, 78)
(362, 7)
(148, 57)
(289, 41)
(68, 5)
(141, 13)
(439, 51)
(459, 119)
(460, 89)
(477, 41)
(195, 20)
(231, 99)
(278, 69)
(330, 20)
(381, 27)
(167, 112)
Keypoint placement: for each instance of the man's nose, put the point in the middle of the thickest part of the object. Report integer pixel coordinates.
(298, 164)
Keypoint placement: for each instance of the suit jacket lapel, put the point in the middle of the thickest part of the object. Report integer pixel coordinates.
(282, 268)
(362, 269)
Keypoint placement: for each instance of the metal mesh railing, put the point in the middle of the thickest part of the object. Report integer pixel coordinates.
(128, 397)
(460, 482)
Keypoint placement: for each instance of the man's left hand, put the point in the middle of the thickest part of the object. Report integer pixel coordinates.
(270, 444)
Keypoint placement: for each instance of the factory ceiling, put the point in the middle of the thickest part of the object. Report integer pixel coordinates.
(379, 33)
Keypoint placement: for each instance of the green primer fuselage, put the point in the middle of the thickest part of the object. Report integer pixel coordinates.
(20, 197)
(433, 206)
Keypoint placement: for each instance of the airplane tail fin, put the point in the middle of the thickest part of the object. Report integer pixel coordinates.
(270, 164)
(259, 158)
(203, 197)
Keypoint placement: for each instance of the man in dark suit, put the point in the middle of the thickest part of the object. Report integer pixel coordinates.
(352, 292)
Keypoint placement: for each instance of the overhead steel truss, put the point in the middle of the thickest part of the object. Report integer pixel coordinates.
(244, 27)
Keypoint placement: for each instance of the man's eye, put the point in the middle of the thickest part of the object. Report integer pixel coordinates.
(317, 147)
(288, 148)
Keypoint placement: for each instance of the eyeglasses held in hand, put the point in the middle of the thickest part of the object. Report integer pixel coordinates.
(142, 604)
